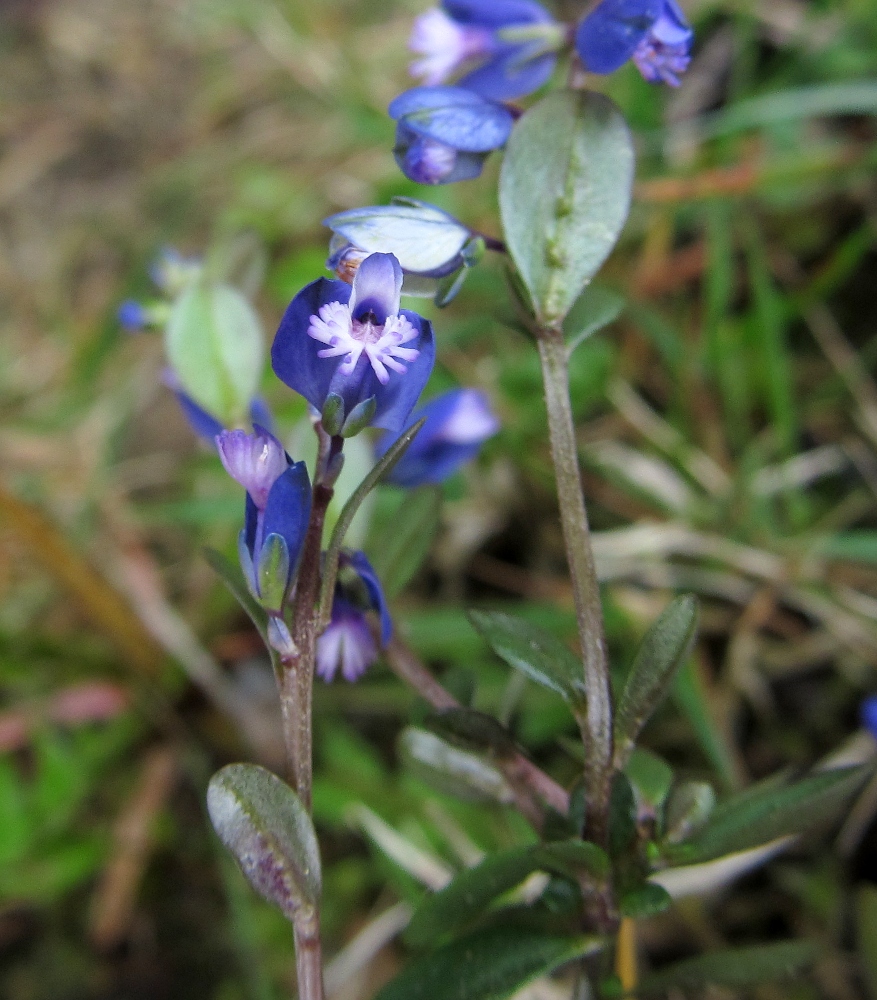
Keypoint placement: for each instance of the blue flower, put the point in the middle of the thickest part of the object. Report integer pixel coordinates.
(348, 643)
(426, 241)
(457, 424)
(868, 712)
(653, 33)
(352, 352)
(133, 315)
(278, 508)
(513, 44)
(444, 134)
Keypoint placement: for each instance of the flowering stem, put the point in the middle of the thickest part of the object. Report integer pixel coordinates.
(309, 958)
(596, 720)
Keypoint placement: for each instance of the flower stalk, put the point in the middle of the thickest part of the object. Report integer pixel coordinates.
(596, 720)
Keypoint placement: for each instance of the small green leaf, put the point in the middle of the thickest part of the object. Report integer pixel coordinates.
(866, 936)
(759, 816)
(650, 776)
(688, 808)
(214, 344)
(273, 571)
(471, 730)
(473, 890)
(662, 652)
(489, 965)
(735, 968)
(595, 308)
(622, 814)
(646, 900)
(399, 550)
(564, 195)
(535, 653)
(262, 822)
(450, 770)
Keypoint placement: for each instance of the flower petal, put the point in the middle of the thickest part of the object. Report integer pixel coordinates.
(359, 561)
(608, 36)
(377, 287)
(496, 13)
(463, 125)
(510, 75)
(398, 397)
(294, 353)
(289, 509)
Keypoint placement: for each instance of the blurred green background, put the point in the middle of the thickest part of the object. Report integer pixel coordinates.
(728, 431)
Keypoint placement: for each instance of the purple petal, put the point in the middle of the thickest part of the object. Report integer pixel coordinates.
(294, 353)
(609, 35)
(506, 77)
(347, 643)
(399, 396)
(377, 287)
(496, 13)
(204, 424)
(256, 461)
(260, 415)
(422, 98)
(359, 561)
(289, 509)
(868, 712)
(458, 122)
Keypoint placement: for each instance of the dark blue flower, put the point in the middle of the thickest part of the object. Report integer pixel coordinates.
(457, 424)
(278, 508)
(512, 43)
(348, 643)
(653, 33)
(444, 134)
(868, 712)
(352, 352)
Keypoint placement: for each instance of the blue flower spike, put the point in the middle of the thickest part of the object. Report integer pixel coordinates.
(277, 511)
(348, 643)
(511, 46)
(652, 33)
(351, 351)
(457, 424)
(444, 134)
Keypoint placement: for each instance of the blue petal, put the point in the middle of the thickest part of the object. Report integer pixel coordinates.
(463, 125)
(294, 353)
(496, 13)
(251, 524)
(289, 509)
(369, 577)
(377, 287)
(261, 416)
(608, 36)
(868, 712)
(421, 98)
(416, 158)
(399, 396)
(506, 77)
(202, 423)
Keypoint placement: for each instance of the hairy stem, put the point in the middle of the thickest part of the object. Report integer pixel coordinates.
(596, 723)
(308, 958)
(533, 787)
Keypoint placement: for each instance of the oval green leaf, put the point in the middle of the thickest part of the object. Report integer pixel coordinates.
(564, 195)
(263, 823)
(214, 344)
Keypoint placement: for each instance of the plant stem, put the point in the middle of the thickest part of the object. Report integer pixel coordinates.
(308, 958)
(596, 724)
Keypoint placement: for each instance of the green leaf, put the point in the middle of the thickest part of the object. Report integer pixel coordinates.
(263, 823)
(735, 968)
(688, 807)
(622, 814)
(399, 550)
(662, 652)
(450, 770)
(595, 308)
(489, 965)
(472, 891)
(214, 344)
(650, 776)
(231, 577)
(759, 816)
(564, 195)
(690, 694)
(646, 900)
(535, 653)
(471, 730)
(866, 936)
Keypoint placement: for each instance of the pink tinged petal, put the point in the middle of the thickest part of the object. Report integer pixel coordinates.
(329, 650)
(256, 461)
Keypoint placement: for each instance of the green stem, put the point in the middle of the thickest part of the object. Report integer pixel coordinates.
(596, 722)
